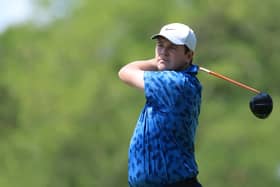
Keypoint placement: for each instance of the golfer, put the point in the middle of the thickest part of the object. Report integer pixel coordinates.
(161, 152)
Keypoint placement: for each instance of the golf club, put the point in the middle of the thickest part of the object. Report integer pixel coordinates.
(261, 104)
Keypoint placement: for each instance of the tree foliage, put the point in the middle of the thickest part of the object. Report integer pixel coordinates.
(66, 119)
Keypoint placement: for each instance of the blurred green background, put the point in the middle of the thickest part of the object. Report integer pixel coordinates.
(66, 119)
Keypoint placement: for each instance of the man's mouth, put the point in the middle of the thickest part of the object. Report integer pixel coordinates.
(162, 60)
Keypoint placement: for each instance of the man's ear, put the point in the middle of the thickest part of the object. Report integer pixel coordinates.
(189, 55)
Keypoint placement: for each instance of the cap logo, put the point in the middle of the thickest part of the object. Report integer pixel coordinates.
(170, 29)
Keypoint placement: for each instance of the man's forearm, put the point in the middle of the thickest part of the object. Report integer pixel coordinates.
(133, 73)
(144, 65)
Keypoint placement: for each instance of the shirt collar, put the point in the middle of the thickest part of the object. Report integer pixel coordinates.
(192, 69)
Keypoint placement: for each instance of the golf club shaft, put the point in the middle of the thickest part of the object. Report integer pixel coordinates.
(230, 80)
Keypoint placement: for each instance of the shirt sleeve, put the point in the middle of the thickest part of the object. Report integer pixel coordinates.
(163, 88)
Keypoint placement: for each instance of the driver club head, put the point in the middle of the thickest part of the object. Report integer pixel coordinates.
(261, 105)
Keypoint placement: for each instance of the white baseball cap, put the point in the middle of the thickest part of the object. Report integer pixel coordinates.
(178, 34)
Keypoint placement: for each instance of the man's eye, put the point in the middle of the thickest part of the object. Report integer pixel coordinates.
(159, 45)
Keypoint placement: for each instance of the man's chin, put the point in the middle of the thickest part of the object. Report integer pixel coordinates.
(162, 68)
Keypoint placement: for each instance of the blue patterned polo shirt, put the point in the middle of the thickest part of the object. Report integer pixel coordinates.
(162, 146)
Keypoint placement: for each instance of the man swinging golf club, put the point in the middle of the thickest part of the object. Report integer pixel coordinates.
(161, 152)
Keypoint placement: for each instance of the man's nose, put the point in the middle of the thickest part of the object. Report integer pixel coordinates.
(164, 51)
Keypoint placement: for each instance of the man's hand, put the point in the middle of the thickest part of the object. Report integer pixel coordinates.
(133, 73)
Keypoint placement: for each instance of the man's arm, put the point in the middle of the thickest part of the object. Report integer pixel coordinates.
(133, 73)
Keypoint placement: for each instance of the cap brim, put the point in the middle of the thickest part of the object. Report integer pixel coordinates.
(155, 36)
(169, 38)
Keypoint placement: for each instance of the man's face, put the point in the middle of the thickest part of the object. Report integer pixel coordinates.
(170, 56)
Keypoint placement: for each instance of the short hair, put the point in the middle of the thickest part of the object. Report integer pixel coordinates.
(187, 49)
